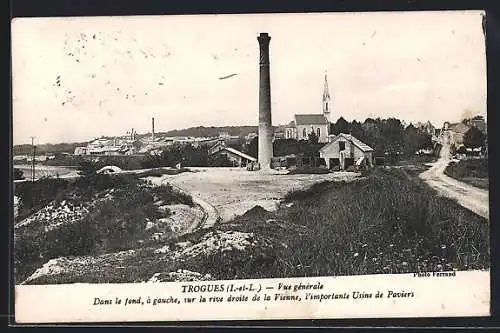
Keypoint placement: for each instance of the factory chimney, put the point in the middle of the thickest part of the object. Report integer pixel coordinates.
(152, 129)
(265, 126)
(132, 134)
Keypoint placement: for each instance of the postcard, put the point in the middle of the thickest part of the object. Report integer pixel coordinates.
(250, 167)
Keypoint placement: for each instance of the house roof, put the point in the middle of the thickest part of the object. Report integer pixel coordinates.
(362, 146)
(239, 153)
(308, 119)
(459, 128)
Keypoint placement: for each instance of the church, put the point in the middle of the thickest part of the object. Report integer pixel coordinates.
(303, 124)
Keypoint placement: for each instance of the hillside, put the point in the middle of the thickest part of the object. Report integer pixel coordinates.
(47, 148)
(387, 222)
(202, 131)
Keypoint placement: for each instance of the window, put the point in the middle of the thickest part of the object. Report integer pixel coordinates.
(304, 133)
(341, 145)
(318, 132)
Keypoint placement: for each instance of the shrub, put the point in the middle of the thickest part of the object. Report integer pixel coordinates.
(308, 170)
(18, 174)
(35, 195)
(170, 195)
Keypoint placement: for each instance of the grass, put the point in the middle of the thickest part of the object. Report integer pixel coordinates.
(473, 172)
(308, 170)
(158, 172)
(169, 195)
(113, 225)
(387, 222)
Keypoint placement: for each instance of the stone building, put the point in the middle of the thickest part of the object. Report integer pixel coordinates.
(344, 151)
(303, 124)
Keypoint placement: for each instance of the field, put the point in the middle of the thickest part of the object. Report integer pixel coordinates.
(470, 171)
(387, 222)
(233, 191)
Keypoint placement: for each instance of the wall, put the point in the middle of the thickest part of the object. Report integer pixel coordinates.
(323, 128)
(236, 159)
(333, 151)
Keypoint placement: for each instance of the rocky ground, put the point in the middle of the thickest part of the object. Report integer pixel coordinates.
(233, 191)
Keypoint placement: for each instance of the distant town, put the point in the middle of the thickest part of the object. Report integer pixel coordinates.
(237, 146)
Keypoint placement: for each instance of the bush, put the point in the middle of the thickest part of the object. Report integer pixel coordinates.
(18, 174)
(158, 172)
(35, 195)
(473, 171)
(385, 223)
(308, 170)
(169, 195)
(113, 225)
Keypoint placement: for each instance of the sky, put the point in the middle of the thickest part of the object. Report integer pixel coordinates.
(78, 78)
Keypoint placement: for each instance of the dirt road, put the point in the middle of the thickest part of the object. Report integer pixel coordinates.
(470, 197)
(211, 215)
(233, 191)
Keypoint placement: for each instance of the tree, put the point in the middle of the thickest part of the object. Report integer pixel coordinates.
(312, 137)
(474, 138)
(87, 168)
(391, 135)
(410, 140)
(253, 147)
(357, 130)
(341, 126)
(18, 174)
(283, 147)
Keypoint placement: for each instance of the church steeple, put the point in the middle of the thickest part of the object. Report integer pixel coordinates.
(326, 99)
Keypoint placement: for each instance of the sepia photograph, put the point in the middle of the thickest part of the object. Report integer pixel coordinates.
(204, 148)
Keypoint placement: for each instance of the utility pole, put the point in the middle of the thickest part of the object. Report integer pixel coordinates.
(33, 159)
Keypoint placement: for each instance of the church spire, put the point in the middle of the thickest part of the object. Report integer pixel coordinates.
(326, 98)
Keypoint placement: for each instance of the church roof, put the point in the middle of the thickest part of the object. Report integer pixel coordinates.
(310, 119)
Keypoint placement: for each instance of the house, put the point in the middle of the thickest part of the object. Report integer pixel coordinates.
(426, 127)
(478, 122)
(279, 135)
(80, 151)
(454, 133)
(303, 124)
(236, 157)
(215, 148)
(344, 150)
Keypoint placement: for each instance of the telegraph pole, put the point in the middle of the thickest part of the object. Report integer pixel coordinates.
(33, 158)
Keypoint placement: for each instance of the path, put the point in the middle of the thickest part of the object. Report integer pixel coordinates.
(470, 197)
(211, 215)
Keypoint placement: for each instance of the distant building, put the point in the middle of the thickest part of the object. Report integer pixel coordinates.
(344, 150)
(250, 137)
(19, 157)
(453, 133)
(304, 124)
(215, 148)
(426, 127)
(236, 157)
(279, 135)
(80, 151)
(477, 122)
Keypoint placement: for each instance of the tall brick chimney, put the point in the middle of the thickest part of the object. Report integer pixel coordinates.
(152, 129)
(265, 125)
